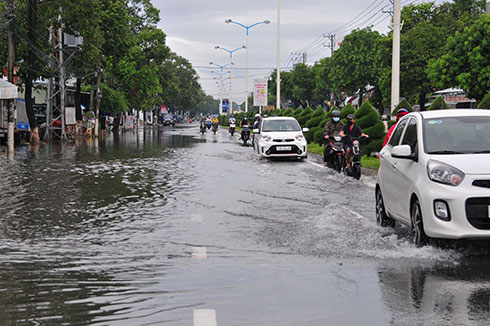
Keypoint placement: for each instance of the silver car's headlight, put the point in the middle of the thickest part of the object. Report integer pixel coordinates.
(444, 173)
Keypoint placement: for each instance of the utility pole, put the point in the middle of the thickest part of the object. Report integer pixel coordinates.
(10, 73)
(395, 70)
(97, 105)
(304, 57)
(488, 8)
(278, 75)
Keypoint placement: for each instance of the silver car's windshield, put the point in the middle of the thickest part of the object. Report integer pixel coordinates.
(457, 135)
(280, 125)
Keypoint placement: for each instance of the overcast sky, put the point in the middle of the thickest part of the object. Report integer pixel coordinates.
(195, 27)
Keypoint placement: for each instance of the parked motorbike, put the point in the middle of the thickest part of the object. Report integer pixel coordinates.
(336, 159)
(215, 128)
(202, 128)
(231, 130)
(245, 135)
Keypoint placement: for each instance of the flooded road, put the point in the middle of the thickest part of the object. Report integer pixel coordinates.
(176, 228)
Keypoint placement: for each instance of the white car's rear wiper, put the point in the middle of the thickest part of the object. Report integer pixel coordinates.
(445, 152)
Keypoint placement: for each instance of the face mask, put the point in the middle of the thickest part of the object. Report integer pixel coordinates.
(336, 119)
(350, 122)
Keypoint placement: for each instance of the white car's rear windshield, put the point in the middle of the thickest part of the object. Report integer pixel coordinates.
(280, 125)
(457, 135)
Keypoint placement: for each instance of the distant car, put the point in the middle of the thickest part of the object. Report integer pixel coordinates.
(434, 175)
(280, 137)
(169, 119)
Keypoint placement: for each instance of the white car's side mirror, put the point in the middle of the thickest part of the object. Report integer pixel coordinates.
(401, 151)
(306, 129)
(256, 131)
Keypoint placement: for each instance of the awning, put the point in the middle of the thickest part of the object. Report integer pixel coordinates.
(8, 91)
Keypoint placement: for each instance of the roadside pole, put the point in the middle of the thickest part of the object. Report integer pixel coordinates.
(395, 71)
(10, 72)
(97, 105)
(278, 75)
(488, 8)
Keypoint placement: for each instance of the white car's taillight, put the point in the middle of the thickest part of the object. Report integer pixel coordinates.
(444, 173)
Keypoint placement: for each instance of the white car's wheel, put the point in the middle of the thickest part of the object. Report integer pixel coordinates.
(419, 237)
(382, 219)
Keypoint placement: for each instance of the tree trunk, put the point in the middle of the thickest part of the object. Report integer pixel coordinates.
(32, 22)
(422, 100)
(117, 121)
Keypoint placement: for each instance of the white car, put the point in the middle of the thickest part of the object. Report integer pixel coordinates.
(280, 137)
(435, 175)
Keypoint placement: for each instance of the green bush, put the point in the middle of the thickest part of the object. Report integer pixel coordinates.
(314, 122)
(376, 131)
(366, 116)
(438, 104)
(287, 113)
(485, 103)
(310, 134)
(348, 109)
(323, 122)
(374, 146)
(319, 112)
(391, 123)
(305, 116)
(402, 105)
(298, 112)
(318, 136)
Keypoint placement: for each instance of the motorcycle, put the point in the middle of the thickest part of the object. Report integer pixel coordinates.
(231, 130)
(245, 135)
(202, 128)
(355, 170)
(215, 128)
(336, 158)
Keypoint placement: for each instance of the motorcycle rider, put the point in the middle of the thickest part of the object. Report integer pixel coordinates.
(232, 120)
(244, 123)
(332, 127)
(350, 132)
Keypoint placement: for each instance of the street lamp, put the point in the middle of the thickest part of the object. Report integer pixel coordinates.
(231, 68)
(228, 21)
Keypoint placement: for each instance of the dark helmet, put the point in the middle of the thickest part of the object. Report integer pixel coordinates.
(351, 117)
(335, 113)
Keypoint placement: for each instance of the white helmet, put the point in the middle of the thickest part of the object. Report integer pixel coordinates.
(257, 115)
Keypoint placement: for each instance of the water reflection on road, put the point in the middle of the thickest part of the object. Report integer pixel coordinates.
(148, 228)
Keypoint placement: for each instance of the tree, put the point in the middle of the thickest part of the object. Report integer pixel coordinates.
(485, 103)
(303, 81)
(355, 63)
(466, 62)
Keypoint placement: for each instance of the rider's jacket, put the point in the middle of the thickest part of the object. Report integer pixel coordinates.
(332, 128)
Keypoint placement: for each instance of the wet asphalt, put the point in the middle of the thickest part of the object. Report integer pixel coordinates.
(171, 227)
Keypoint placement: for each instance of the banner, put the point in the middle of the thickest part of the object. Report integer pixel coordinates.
(260, 92)
(163, 109)
(226, 105)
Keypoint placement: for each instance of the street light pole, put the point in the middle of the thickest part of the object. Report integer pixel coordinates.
(395, 74)
(278, 81)
(228, 21)
(231, 69)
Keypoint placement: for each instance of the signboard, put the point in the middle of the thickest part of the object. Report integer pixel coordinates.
(226, 105)
(163, 109)
(70, 115)
(260, 92)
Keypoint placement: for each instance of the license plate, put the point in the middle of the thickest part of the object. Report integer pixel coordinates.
(283, 148)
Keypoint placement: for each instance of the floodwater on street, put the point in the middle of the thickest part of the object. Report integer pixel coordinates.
(171, 227)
